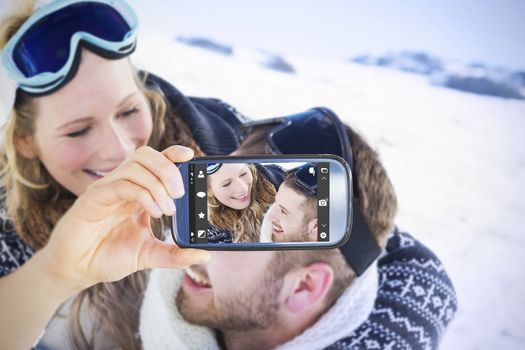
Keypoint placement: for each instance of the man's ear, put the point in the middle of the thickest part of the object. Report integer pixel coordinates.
(308, 287)
(26, 147)
(312, 230)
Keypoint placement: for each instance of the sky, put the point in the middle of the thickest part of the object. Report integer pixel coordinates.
(488, 31)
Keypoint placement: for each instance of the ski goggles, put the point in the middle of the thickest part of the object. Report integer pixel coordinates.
(44, 53)
(212, 168)
(305, 177)
(315, 131)
(320, 131)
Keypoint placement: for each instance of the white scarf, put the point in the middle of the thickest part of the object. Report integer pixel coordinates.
(162, 326)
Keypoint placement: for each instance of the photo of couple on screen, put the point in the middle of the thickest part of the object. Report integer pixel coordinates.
(266, 202)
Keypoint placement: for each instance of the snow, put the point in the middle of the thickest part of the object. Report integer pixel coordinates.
(456, 159)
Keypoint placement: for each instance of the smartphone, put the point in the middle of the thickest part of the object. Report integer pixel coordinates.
(264, 202)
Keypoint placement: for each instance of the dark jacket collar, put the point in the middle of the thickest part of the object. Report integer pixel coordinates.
(212, 122)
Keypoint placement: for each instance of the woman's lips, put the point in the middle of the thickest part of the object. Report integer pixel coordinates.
(98, 174)
(242, 198)
(93, 174)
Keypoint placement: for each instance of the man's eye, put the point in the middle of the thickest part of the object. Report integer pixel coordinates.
(79, 133)
(130, 112)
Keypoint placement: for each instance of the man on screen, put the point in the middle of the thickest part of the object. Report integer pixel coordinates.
(293, 216)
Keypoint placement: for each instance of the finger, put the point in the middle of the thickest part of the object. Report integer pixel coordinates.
(156, 253)
(178, 154)
(98, 201)
(136, 173)
(162, 165)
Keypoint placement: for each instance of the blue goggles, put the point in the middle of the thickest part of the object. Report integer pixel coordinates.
(320, 131)
(212, 168)
(44, 53)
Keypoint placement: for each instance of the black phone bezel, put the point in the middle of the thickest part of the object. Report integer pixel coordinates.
(184, 213)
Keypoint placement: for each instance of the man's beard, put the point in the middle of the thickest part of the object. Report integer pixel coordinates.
(240, 310)
(299, 235)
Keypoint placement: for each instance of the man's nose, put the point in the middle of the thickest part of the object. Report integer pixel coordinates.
(115, 144)
(273, 214)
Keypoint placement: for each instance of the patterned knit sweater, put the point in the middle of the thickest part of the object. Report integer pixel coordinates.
(414, 304)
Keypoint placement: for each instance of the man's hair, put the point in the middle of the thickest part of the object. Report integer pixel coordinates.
(377, 201)
(309, 206)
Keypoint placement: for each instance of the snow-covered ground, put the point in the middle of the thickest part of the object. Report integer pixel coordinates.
(457, 161)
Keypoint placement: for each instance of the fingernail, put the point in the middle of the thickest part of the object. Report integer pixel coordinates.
(177, 188)
(184, 148)
(170, 205)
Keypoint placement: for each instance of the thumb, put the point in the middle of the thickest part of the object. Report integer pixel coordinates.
(178, 153)
(156, 253)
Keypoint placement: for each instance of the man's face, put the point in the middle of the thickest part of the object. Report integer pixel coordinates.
(235, 291)
(288, 216)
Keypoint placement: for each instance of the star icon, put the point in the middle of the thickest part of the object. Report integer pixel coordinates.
(201, 215)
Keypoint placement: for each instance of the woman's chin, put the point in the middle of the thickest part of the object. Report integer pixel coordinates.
(239, 206)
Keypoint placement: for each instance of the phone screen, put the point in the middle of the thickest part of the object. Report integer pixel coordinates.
(296, 210)
(258, 203)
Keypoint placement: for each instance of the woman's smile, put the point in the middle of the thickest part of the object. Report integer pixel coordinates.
(243, 197)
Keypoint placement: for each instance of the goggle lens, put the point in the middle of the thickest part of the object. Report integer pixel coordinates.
(46, 46)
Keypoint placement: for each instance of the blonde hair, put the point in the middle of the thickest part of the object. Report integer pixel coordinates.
(245, 224)
(35, 201)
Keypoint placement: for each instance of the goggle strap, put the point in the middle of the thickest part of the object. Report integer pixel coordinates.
(361, 249)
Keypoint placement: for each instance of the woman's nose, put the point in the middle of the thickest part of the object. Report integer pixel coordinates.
(240, 187)
(115, 144)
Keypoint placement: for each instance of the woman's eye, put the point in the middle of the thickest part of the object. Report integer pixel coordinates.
(79, 133)
(226, 184)
(243, 174)
(130, 112)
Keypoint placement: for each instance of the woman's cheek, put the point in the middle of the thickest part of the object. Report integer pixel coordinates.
(223, 196)
(142, 126)
(250, 182)
(73, 157)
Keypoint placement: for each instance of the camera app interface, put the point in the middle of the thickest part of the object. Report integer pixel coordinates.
(259, 202)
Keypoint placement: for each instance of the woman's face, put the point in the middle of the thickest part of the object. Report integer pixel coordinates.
(232, 185)
(89, 126)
